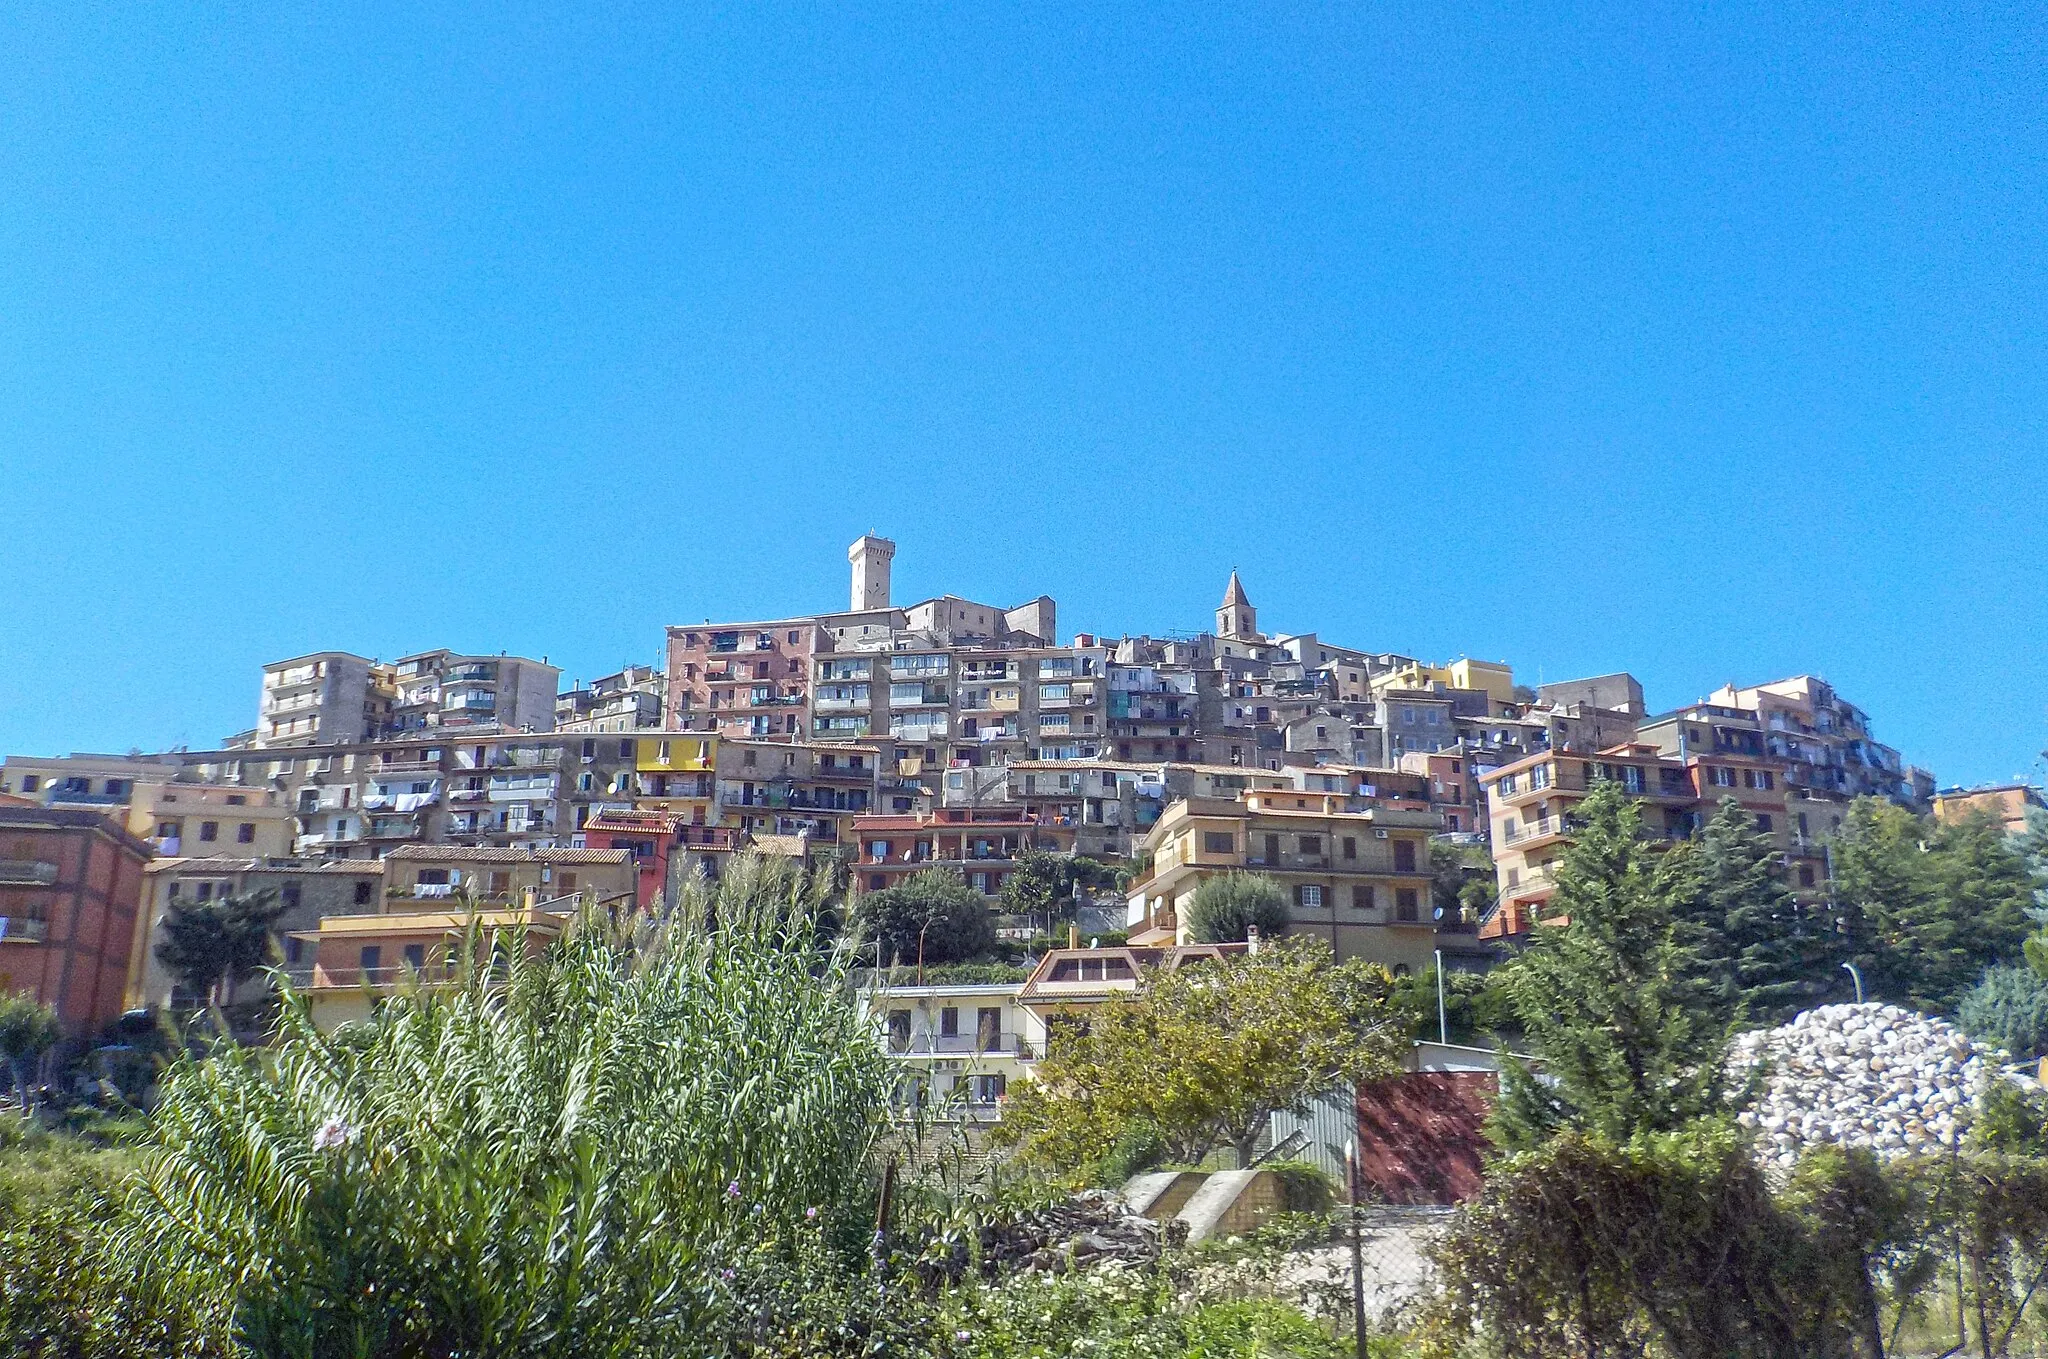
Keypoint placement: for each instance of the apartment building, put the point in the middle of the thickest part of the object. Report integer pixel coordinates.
(982, 845)
(956, 1048)
(630, 700)
(743, 679)
(1111, 804)
(1357, 870)
(664, 848)
(443, 690)
(156, 800)
(358, 960)
(421, 877)
(324, 698)
(2010, 803)
(338, 698)
(1532, 803)
(306, 889)
(815, 790)
(1825, 741)
(70, 905)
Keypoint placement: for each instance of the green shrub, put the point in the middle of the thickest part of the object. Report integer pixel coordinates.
(1304, 1188)
(1138, 1150)
(1225, 907)
(2008, 1009)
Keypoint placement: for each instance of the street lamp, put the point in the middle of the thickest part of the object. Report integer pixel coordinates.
(1857, 977)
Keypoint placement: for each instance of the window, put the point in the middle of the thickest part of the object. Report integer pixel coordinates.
(1308, 896)
(1806, 875)
(1763, 822)
(290, 896)
(209, 830)
(1404, 856)
(31, 783)
(793, 637)
(988, 1089)
(988, 1029)
(949, 1022)
(245, 834)
(590, 750)
(626, 749)
(1723, 777)
(565, 883)
(1361, 897)
(294, 949)
(1406, 907)
(416, 956)
(372, 958)
(747, 759)
(1311, 844)
(362, 895)
(1350, 847)
(1218, 842)
(899, 1030)
(501, 883)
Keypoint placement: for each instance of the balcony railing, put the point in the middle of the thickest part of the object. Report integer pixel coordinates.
(1540, 828)
(963, 1045)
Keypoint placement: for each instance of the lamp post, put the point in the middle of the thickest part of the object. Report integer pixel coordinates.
(1856, 977)
(1443, 1023)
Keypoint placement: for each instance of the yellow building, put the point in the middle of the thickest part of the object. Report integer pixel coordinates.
(1356, 870)
(1495, 679)
(358, 960)
(677, 774)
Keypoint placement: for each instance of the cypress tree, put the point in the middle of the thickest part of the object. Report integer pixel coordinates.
(1609, 996)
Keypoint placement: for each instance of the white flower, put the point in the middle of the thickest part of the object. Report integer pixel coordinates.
(333, 1134)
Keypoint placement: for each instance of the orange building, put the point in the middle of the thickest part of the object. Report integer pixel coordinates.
(70, 904)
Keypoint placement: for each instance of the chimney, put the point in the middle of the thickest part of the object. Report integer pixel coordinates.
(871, 557)
(1073, 935)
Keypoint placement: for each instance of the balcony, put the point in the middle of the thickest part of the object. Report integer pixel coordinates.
(840, 774)
(963, 1045)
(27, 873)
(1542, 828)
(16, 929)
(65, 797)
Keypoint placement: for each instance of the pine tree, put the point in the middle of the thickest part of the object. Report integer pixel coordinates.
(1608, 995)
(1928, 908)
(1897, 926)
(1985, 881)
(1760, 953)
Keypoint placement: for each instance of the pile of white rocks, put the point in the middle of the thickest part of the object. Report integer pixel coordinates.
(1871, 1076)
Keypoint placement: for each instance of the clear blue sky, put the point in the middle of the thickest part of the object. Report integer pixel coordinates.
(1706, 344)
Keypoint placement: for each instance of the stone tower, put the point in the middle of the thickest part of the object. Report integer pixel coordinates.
(871, 557)
(1237, 618)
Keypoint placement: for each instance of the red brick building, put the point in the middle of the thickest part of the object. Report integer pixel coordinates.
(70, 903)
(748, 680)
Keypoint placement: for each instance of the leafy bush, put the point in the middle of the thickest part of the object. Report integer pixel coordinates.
(2008, 1008)
(1124, 1314)
(934, 916)
(2012, 1120)
(1304, 1188)
(1225, 907)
